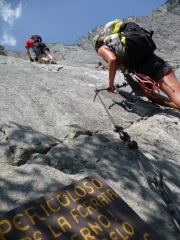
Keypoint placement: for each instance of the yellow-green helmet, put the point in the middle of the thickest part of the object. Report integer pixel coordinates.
(95, 39)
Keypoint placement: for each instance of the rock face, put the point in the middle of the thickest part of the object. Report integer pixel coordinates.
(51, 133)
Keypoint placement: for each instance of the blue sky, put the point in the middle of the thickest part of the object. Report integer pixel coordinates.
(62, 21)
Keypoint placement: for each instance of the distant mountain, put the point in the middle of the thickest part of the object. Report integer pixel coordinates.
(164, 21)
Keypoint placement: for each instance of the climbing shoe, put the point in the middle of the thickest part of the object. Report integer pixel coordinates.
(53, 62)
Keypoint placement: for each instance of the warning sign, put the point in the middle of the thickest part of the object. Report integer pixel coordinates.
(87, 209)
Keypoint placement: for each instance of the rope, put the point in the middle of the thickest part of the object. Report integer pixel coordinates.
(148, 84)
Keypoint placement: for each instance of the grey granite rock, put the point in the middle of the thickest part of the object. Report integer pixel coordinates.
(52, 132)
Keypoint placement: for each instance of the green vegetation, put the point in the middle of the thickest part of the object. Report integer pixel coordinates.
(2, 51)
(175, 67)
(10, 161)
(172, 1)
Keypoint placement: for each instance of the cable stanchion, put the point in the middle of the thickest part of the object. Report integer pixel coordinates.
(156, 175)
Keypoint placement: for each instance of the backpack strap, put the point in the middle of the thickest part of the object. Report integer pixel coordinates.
(36, 38)
(150, 33)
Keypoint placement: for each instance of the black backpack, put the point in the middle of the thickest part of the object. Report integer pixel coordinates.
(36, 38)
(138, 43)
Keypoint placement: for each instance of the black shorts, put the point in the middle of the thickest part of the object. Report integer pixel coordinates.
(39, 48)
(154, 67)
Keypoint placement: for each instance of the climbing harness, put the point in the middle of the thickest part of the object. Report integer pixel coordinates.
(155, 178)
